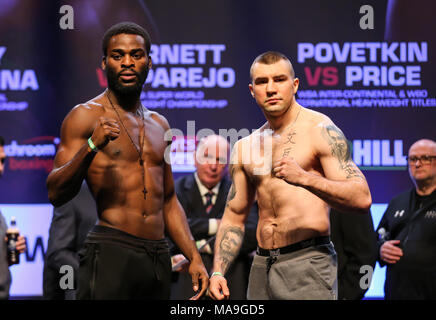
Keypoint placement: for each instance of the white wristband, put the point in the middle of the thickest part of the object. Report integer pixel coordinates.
(217, 274)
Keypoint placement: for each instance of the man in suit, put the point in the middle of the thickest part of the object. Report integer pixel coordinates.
(203, 196)
(356, 246)
(70, 224)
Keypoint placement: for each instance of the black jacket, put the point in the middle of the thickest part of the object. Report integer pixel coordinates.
(356, 245)
(414, 275)
(70, 224)
(190, 198)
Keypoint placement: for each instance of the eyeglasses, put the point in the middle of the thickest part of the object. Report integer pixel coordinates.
(426, 159)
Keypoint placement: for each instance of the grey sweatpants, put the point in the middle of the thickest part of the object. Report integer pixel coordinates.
(306, 274)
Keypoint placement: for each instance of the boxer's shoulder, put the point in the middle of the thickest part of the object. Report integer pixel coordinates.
(83, 117)
(157, 118)
(313, 119)
(94, 107)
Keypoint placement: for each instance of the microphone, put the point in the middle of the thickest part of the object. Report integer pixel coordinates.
(383, 234)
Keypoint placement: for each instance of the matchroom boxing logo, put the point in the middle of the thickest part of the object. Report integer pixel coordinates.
(32, 154)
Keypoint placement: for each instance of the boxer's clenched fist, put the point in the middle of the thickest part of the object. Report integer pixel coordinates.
(289, 170)
(105, 131)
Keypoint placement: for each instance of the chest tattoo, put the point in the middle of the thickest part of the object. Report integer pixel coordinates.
(289, 143)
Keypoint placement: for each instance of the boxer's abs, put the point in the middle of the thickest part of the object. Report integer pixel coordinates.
(149, 226)
(289, 214)
(120, 200)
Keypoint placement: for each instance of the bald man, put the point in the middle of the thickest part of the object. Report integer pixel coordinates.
(407, 231)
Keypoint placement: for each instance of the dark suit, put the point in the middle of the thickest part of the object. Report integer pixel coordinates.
(70, 224)
(191, 201)
(356, 245)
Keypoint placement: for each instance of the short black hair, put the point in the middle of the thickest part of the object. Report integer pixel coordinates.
(127, 28)
(2, 141)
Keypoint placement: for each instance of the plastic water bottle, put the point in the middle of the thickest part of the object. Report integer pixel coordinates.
(12, 234)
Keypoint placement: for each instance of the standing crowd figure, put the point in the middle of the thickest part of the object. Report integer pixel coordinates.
(407, 230)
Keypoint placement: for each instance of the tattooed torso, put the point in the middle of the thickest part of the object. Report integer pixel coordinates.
(287, 213)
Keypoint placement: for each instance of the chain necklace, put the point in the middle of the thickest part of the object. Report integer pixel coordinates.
(293, 122)
(138, 150)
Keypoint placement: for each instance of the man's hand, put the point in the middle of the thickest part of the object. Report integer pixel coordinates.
(289, 170)
(218, 289)
(105, 131)
(390, 253)
(198, 272)
(20, 244)
(180, 263)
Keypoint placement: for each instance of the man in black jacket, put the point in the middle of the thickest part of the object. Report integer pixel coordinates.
(356, 246)
(70, 224)
(203, 197)
(407, 231)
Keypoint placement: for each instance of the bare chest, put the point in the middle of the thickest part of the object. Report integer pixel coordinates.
(137, 142)
(267, 149)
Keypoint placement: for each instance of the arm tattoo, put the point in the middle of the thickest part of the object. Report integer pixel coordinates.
(341, 150)
(229, 246)
(232, 191)
(231, 195)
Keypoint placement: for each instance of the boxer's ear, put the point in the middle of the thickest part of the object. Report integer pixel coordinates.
(103, 62)
(295, 85)
(250, 87)
(150, 64)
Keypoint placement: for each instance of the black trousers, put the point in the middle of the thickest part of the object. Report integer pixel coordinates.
(118, 265)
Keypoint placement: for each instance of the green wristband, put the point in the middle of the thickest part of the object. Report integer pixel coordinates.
(217, 274)
(92, 145)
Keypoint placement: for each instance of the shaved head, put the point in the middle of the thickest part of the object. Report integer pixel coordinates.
(271, 57)
(424, 143)
(422, 165)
